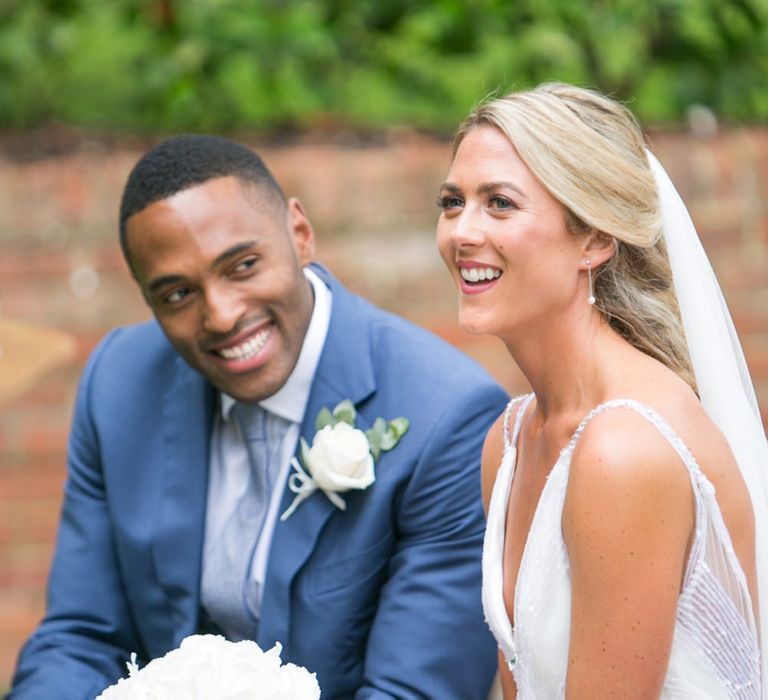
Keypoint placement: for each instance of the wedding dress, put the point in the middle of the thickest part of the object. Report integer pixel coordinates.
(715, 652)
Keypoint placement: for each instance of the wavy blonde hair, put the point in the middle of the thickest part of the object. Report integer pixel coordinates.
(588, 151)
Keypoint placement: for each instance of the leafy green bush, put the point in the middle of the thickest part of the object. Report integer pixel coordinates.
(168, 65)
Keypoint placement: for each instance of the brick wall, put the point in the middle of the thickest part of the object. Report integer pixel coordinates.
(374, 211)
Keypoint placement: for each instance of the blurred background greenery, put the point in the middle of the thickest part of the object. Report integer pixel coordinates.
(280, 66)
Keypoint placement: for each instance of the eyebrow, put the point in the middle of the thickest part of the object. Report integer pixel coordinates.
(231, 252)
(164, 281)
(490, 186)
(484, 188)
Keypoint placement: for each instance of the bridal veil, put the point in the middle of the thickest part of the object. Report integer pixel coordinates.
(724, 384)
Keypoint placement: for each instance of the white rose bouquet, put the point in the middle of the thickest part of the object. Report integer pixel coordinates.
(341, 456)
(208, 667)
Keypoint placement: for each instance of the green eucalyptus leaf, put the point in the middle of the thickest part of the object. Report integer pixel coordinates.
(345, 412)
(374, 437)
(304, 452)
(379, 427)
(399, 426)
(324, 418)
(388, 440)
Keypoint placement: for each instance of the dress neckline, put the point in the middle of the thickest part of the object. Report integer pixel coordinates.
(511, 440)
(526, 643)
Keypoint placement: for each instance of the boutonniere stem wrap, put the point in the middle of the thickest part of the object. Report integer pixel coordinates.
(341, 457)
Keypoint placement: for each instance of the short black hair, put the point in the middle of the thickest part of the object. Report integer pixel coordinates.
(181, 162)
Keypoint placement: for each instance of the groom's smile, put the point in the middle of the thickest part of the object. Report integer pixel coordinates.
(247, 349)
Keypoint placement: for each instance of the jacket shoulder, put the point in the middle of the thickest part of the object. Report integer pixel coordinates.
(418, 350)
(130, 356)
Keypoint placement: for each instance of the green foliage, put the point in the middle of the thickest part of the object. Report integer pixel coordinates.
(384, 435)
(168, 65)
(343, 412)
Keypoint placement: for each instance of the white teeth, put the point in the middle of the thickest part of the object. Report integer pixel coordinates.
(247, 349)
(479, 274)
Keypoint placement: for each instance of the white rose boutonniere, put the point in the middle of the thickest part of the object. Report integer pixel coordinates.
(341, 456)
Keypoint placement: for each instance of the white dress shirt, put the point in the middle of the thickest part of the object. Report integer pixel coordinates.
(229, 465)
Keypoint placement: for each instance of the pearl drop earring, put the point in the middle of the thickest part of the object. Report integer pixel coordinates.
(591, 298)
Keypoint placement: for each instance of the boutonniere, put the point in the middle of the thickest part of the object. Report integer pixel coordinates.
(341, 456)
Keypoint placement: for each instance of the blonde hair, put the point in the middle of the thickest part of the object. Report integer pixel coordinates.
(589, 153)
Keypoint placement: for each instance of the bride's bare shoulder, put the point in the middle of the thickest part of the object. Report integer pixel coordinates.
(625, 446)
(627, 488)
(624, 439)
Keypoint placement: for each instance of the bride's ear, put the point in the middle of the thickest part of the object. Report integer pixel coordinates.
(599, 248)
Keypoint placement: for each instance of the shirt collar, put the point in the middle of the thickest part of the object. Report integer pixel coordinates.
(290, 401)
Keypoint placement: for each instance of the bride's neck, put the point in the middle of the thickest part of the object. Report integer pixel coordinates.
(569, 369)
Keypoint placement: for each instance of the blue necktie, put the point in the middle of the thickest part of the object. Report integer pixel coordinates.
(230, 595)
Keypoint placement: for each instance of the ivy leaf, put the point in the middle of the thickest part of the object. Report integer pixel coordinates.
(345, 412)
(323, 419)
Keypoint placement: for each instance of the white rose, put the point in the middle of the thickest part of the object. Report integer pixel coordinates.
(208, 666)
(340, 458)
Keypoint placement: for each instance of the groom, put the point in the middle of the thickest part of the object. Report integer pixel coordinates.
(183, 460)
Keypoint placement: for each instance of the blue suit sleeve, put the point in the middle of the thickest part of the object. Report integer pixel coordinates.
(429, 637)
(83, 642)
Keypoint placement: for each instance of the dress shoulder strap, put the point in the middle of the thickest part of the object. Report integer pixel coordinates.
(522, 400)
(652, 417)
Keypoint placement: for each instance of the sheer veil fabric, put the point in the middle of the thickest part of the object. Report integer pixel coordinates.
(721, 372)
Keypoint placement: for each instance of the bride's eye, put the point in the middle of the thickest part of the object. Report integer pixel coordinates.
(449, 201)
(500, 203)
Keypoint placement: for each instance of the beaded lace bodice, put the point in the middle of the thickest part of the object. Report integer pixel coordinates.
(714, 651)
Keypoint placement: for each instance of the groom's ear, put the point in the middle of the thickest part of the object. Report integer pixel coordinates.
(599, 248)
(301, 231)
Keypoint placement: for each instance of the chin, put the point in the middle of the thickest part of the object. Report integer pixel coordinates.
(255, 393)
(473, 326)
(248, 388)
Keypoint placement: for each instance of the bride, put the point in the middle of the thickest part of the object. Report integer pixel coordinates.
(625, 492)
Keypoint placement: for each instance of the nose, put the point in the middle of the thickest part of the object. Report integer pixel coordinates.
(223, 309)
(465, 230)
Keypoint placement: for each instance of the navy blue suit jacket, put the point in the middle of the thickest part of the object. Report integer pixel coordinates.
(381, 600)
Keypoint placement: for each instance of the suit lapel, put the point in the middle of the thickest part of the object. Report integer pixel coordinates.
(178, 544)
(345, 371)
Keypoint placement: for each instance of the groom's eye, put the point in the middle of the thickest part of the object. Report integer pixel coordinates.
(176, 296)
(245, 265)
